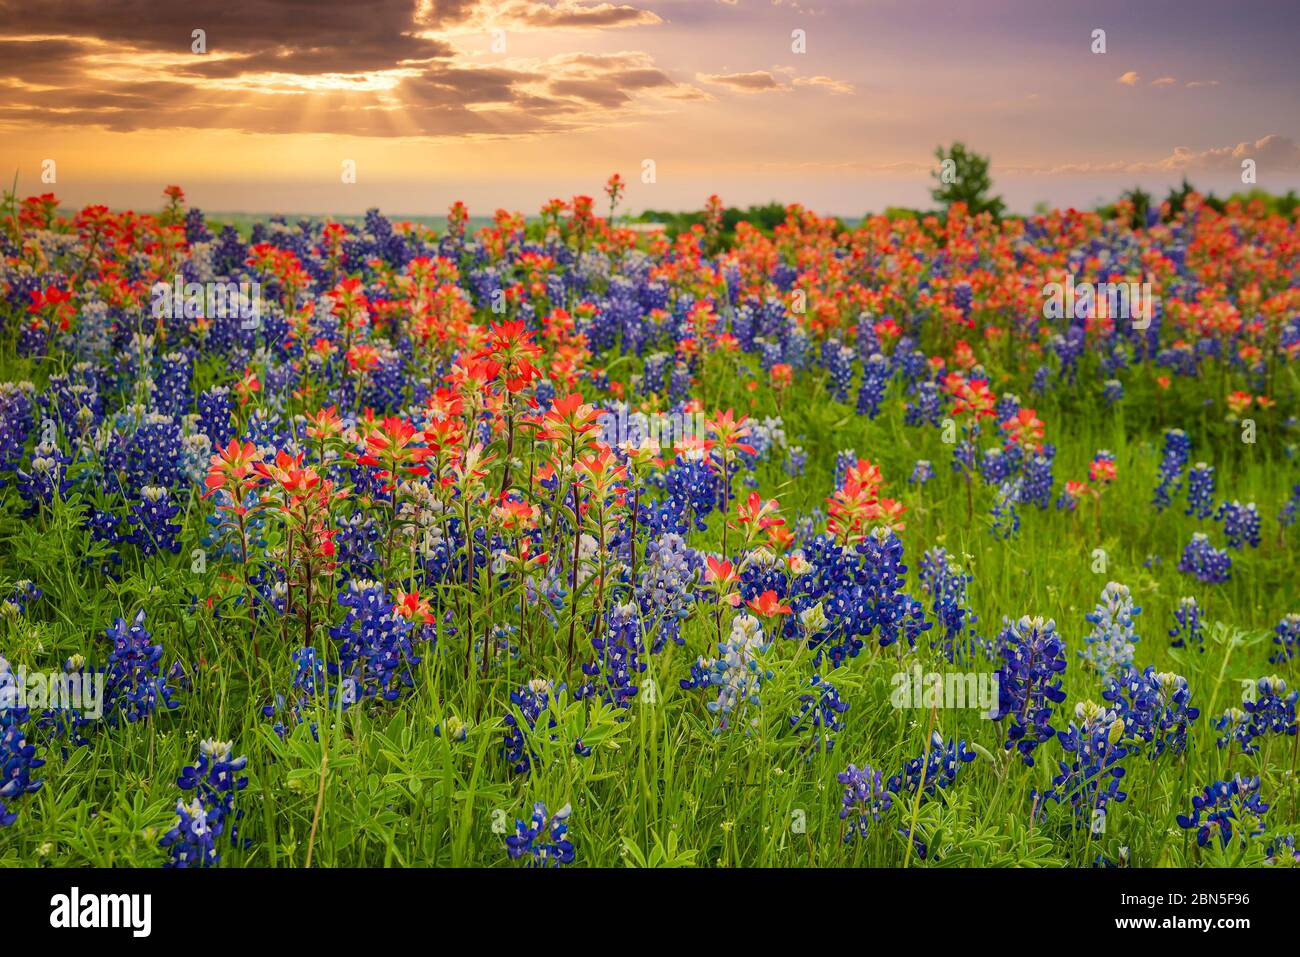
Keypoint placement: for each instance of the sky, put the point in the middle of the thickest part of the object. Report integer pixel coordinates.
(836, 104)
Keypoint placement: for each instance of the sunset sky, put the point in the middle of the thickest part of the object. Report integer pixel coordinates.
(431, 109)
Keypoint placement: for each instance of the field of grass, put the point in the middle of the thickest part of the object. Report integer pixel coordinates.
(651, 779)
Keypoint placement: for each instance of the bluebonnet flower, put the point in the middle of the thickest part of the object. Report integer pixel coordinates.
(1291, 510)
(845, 459)
(737, 674)
(47, 479)
(1006, 520)
(796, 460)
(1177, 449)
(838, 360)
(934, 770)
(376, 645)
(1112, 391)
(946, 584)
(820, 708)
(215, 412)
(1200, 490)
(1223, 807)
(133, 684)
(1033, 655)
(1282, 852)
(1110, 643)
(1241, 524)
(1187, 630)
(666, 589)
(875, 379)
(543, 840)
(922, 472)
(1287, 638)
(532, 700)
(152, 517)
(1037, 479)
(864, 799)
(17, 755)
(994, 466)
(1268, 709)
(215, 780)
(1155, 706)
(963, 297)
(613, 675)
(1201, 559)
(1091, 781)
(23, 595)
(925, 406)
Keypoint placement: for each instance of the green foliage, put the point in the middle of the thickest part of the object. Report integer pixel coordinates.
(968, 183)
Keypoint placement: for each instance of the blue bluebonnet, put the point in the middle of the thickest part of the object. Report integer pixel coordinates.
(934, 770)
(1207, 563)
(994, 466)
(1291, 510)
(1112, 391)
(215, 779)
(1287, 638)
(532, 700)
(1188, 630)
(665, 592)
(838, 360)
(875, 379)
(543, 840)
(1266, 709)
(1091, 781)
(820, 710)
(796, 460)
(612, 676)
(1006, 519)
(1155, 707)
(925, 406)
(154, 531)
(1174, 459)
(1226, 808)
(1028, 682)
(845, 459)
(134, 686)
(1200, 490)
(1037, 478)
(922, 472)
(864, 799)
(1241, 524)
(47, 478)
(736, 674)
(376, 646)
(23, 594)
(1282, 851)
(946, 584)
(18, 758)
(1109, 646)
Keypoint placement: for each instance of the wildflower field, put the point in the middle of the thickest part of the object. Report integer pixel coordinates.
(909, 542)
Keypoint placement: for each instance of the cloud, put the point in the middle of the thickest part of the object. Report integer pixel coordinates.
(1192, 84)
(825, 82)
(1164, 81)
(567, 15)
(763, 81)
(383, 68)
(1272, 152)
(759, 81)
(1129, 79)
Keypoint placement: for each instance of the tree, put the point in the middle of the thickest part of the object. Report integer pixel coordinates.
(1141, 201)
(964, 178)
